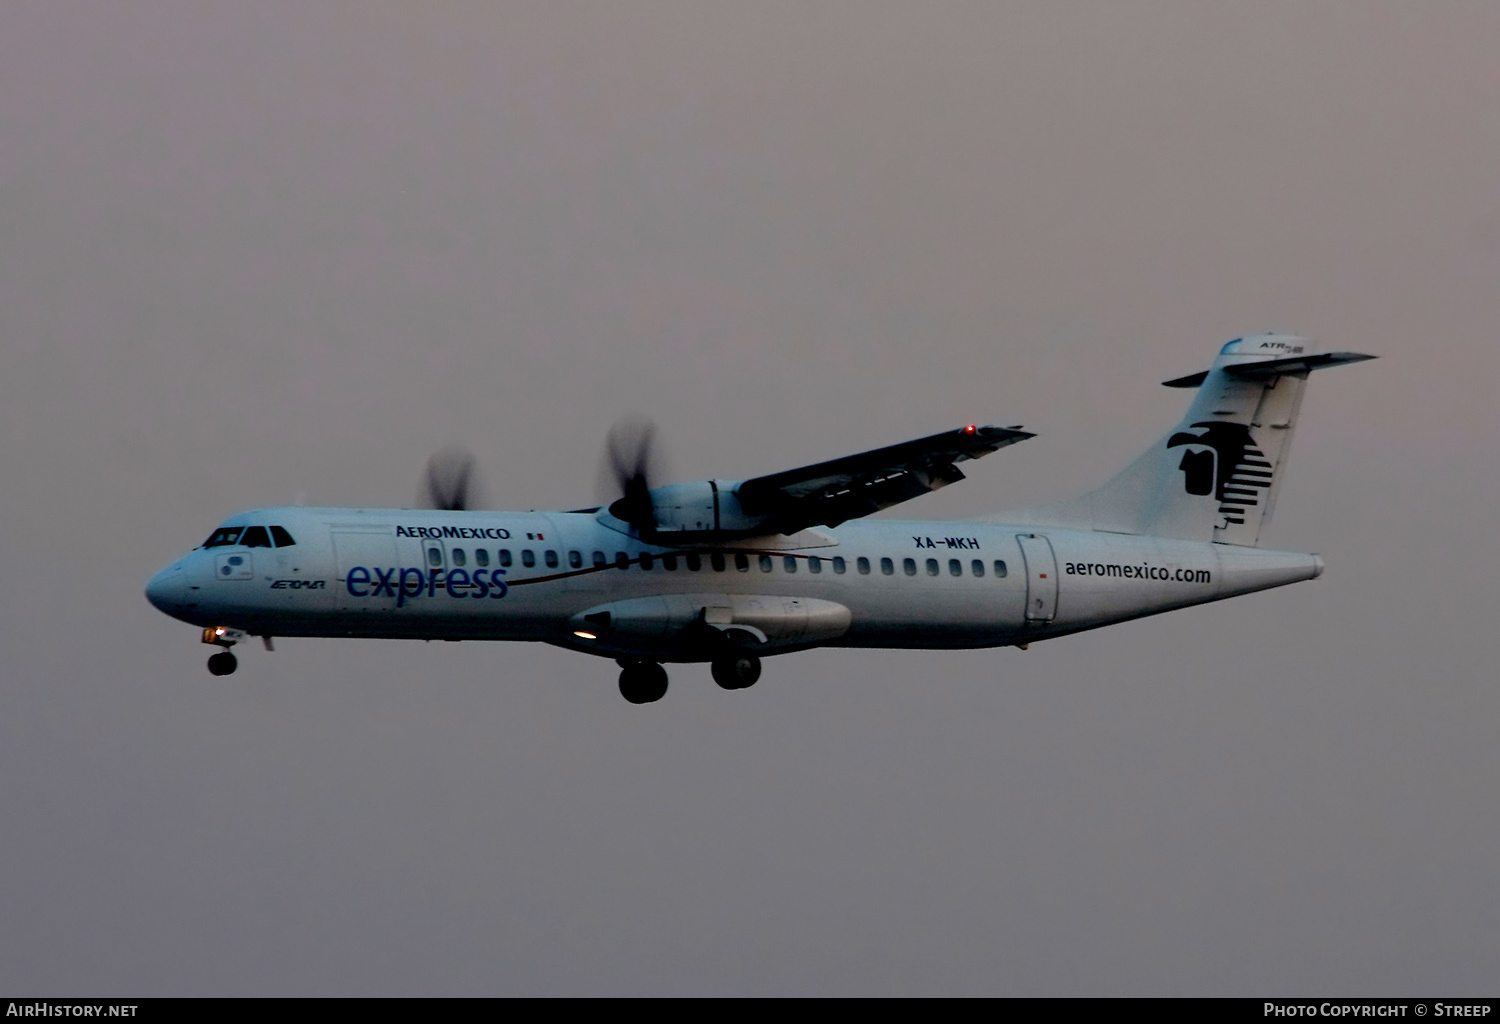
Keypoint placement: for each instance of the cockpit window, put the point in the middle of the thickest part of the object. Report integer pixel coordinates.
(249, 536)
(223, 536)
(255, 537)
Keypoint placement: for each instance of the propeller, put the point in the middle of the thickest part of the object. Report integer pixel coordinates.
(450, 480)
(629, 464)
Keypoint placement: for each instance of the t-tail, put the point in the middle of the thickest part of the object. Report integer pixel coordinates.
(1216, 475)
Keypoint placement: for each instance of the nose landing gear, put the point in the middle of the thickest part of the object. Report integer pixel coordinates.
(224, 662)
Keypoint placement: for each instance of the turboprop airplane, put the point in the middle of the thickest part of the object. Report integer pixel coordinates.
(729, 572)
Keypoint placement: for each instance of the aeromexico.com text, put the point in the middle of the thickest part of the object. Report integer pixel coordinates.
(1138, 572)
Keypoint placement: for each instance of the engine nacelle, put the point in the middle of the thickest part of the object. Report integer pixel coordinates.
(701, 509)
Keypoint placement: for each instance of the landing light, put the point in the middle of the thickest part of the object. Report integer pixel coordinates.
(223, 636)
(586, 636)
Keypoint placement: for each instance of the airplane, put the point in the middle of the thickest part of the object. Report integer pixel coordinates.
(732, 571)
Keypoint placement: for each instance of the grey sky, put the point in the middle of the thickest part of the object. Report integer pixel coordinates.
(257, 252)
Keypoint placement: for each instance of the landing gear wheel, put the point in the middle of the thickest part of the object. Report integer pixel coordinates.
(736, 671)
(222, 664)
(643, 683)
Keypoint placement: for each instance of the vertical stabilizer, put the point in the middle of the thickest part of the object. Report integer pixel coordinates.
(1216, 476)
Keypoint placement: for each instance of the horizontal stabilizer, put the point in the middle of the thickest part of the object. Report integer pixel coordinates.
(1192, 380)
(1294, 364)
(1273, 367)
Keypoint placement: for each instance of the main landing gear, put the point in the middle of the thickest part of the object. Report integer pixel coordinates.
(645, 682)
(736, 671)
(642, 682)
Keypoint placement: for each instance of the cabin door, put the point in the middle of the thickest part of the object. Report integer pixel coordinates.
(371, 553)
(1041, 577)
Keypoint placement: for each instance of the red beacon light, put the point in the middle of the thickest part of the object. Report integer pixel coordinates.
(970, 429)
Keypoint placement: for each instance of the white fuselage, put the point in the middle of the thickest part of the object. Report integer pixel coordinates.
(574, 580)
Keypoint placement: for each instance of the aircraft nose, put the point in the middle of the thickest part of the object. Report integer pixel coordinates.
(165, 589)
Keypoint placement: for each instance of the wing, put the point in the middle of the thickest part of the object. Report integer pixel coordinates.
(828, 493)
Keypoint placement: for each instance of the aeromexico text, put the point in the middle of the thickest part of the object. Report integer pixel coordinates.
(455, 532)
(1138, 572)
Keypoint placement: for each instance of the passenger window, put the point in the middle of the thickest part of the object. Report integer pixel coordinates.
(838, 565)
(932, 567)
(458, 556)
(599, 560)
(281, 537)
(789, 562)
(550, 557)
(646, 560)
(863, 565)
(481, 557)
(255, 537)
(575, 559)
(814, 564)
(505, 557)
(765, 563)
(622, 560)
(435, 557)
(220, 538)
(909, 566)
(717, 561)
(977, 566)
(669, 563)
(742, 562)
(694, 562)
(528, 557)
(999, 569)
(887, 567)
(955, 567)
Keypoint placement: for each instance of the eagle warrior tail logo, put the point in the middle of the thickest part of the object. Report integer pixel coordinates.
(1224, 461)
